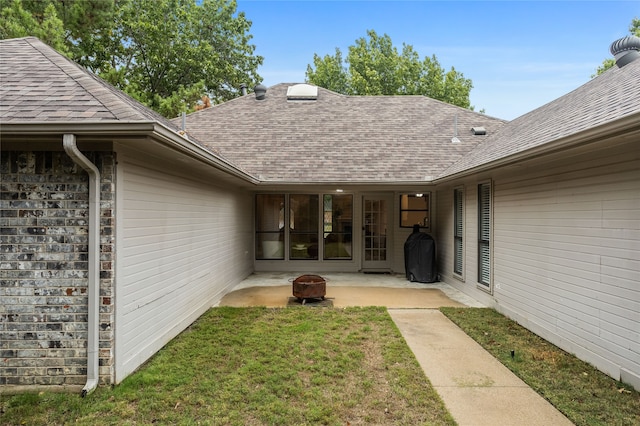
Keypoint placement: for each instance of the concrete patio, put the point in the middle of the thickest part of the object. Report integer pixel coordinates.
(273, 289)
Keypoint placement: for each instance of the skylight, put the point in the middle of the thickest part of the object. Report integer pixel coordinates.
(302, 92)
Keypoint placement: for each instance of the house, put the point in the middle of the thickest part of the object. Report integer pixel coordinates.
(119, 228)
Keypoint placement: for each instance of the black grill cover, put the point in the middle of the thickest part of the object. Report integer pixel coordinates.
(420, 258)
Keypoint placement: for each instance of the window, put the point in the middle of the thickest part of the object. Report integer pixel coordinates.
(414, 210)
(338, 226)
(458, 231)
(484, 234)
(303, 226)
(309, 232)
(270, 226)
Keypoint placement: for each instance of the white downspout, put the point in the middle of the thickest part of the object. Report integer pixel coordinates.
(93, 290)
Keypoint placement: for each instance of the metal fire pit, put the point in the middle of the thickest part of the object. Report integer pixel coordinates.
(309, 287)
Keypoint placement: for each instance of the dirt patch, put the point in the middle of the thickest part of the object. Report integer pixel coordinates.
(278, 296)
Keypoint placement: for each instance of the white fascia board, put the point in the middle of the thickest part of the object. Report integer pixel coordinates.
(193, 149)
(83, 128)
(627, 125)
(344, 184)
(152, 129)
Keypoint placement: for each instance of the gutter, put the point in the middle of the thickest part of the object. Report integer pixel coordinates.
(621, 127)
(93, 291)
(194, 150)
(346, 185)
(101, 130)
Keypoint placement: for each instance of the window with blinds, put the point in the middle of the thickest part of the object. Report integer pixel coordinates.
(484, 234)
(458, 231)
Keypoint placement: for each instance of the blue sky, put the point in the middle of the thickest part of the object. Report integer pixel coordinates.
(519, 54)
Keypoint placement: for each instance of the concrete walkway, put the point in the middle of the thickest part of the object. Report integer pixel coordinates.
(475, 387)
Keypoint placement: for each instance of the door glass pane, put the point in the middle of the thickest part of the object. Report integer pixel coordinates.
(338, 226)
(375, 230)
(303, 226)
(269, 226)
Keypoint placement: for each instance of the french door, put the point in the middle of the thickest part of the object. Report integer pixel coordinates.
(376, 238)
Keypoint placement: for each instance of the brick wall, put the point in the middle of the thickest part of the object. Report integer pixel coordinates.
(44, 268)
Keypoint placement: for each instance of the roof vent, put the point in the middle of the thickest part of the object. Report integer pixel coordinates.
(305, 92)
(260, 91)
(625, 50)
(455, 139)
(478, 130)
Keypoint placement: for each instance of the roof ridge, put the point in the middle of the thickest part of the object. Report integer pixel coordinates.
(54, 56)
(107, 101)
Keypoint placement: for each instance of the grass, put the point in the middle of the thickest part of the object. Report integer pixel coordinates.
(296, 366)
(258, 366)
(585, 395)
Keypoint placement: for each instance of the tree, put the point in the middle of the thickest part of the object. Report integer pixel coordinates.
(85, 28)
(16, 22)
(172, 46)
(165, 53)
(375, 67)
(329, 73)
(92, 33)
(634, 29)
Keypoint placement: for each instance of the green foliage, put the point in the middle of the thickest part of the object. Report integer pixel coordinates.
(175, 45)
(634, 29)
(93, 35)
(16, 22)
(375, 67)
(329, 73)
(165, 53)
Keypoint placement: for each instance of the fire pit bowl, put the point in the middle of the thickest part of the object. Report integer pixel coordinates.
(309, 286)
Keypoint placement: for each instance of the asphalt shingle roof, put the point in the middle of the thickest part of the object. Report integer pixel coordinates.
(339, 138)
(37, 85)
(604, 99)
(336, 138)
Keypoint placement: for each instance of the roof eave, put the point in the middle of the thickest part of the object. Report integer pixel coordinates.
(159, 132)
(184, 145)
(623, 126)
(95, 128)
(345, 183)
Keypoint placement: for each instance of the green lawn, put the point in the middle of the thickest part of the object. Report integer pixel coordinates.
(585, 395)
(305, 365)
(257, 366)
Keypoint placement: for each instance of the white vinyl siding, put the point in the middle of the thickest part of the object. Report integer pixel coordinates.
(565, 250)
(569, 255)
(484, 234)
(182, 244)
(458, 231)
